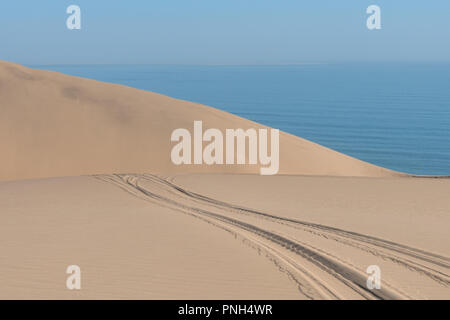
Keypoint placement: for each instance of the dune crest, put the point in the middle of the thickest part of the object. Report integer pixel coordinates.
(53, 124)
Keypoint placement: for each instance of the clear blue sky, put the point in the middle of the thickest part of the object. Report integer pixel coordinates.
(223, 31)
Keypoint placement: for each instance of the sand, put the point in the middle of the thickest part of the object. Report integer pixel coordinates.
(87, 180)
(55, 125)
(126, 248)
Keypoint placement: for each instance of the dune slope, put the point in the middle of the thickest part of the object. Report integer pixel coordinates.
(53, 124)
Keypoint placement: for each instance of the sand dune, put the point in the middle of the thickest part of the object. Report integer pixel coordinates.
(53, 124)
(196, 232)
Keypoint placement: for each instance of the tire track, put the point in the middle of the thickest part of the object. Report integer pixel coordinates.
(414, 260)
(345, 273)
(307, 283)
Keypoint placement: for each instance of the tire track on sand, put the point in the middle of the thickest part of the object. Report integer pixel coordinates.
(345, 274)
(429, 264)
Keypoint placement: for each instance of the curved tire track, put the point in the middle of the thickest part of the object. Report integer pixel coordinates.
(347, 274)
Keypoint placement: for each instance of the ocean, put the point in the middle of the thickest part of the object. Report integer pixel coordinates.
(395, 115)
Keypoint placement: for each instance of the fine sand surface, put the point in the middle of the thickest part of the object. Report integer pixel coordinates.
(196, 232)
(126, 248)
(225, 237)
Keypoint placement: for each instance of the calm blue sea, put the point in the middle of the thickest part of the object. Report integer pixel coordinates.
(393, 115)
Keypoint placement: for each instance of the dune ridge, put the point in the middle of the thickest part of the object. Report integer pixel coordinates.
(53, 124)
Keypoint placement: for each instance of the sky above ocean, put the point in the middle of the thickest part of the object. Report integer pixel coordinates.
(223, 32)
